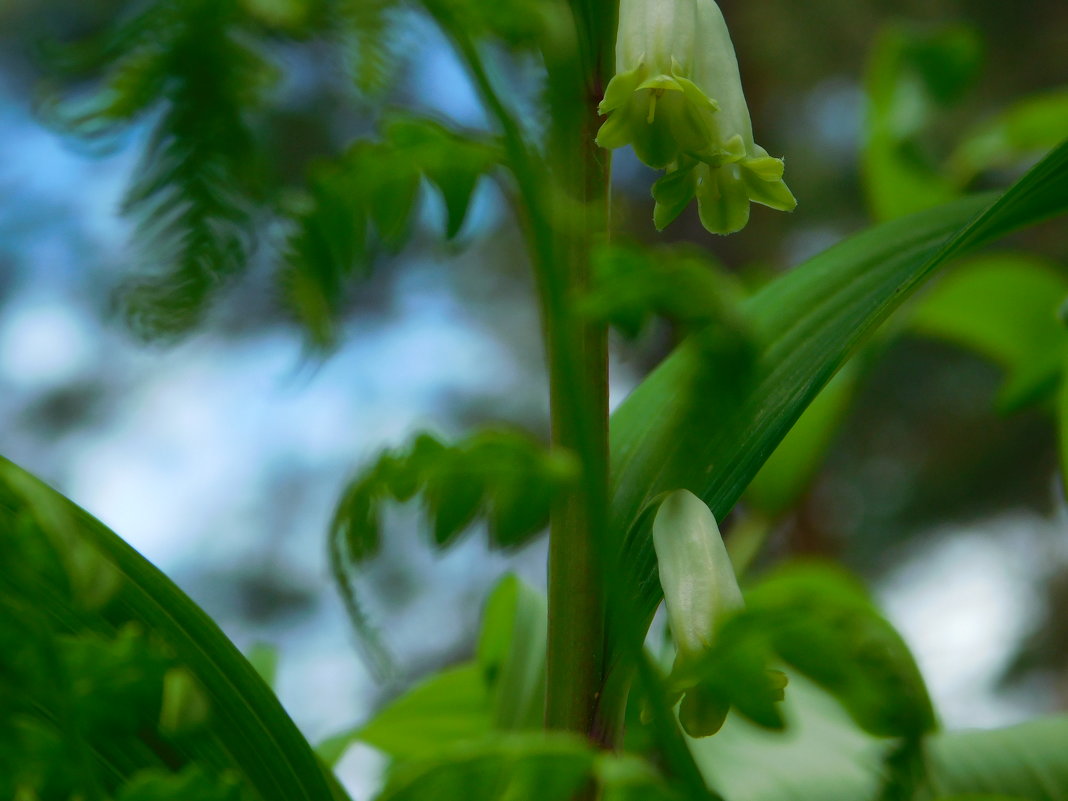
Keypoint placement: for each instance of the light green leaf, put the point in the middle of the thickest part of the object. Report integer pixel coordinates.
(1023, 131)
(447, 708)
(528, 767)
(822, 757)
(1027, 760)
(909, 74)
(690, 425)
(624, 777)
(503, 689)
(511, 653)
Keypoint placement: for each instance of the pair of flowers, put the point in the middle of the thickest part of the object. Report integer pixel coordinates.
(677, 99)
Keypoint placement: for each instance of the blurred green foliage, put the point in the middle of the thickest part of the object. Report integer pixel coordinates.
(108, 670)
(109, 687)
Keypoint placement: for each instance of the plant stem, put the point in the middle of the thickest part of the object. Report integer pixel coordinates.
(575, 671)
(578, 533)
(562, 217)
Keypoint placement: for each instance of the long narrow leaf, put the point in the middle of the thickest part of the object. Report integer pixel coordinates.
(106, 594)
(688, 427)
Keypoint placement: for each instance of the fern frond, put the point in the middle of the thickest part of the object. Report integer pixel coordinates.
(367, 27)
(373, 187)
(191, 63)
(198, 174)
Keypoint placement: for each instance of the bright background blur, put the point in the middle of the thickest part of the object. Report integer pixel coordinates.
(220, 458)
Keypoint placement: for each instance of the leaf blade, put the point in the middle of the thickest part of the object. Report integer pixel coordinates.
(806, 324)
(249, 728)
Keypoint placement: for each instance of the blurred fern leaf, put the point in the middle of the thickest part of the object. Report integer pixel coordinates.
(373, 188)
(504, 476)
(193, 65)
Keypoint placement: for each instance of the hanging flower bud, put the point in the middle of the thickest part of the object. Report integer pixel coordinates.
(700, 589)
(699, 584)
(677, 99)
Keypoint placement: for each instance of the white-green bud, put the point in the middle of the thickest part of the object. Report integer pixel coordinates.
(677, 99)
(699, 584)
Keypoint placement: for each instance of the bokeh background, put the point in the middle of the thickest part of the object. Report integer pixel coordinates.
(220, 456)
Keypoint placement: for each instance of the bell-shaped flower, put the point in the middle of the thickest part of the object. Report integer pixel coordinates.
(677, 99)
(700, 593)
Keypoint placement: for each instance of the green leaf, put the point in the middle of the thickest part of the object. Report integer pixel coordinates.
(505, 475)
(624, 777)
(201, 78)
(190, 783)
(452, 162)
(518, 23)
(909, 74)
(685, 426)
(790, 469)
(822, 623)
(509, 767)
(373, 186)
(1005, 307)
(218, 714)
(631, 285)
(367, 26)
(1025, 130)
(502, 690)
(327, 246)
(185, 706)
(448, 708)
(453, 497)
(822, 757)
(1026, 760)
(511, 652)
(264, 657)
(1062, 429)
(818, 621)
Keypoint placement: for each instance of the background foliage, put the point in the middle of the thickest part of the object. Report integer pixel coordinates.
(288, 175)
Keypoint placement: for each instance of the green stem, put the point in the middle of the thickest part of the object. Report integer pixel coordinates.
(578, 534)
(576, 352)
(575, 672)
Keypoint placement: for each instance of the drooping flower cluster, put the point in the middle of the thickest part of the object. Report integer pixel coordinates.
(677, 99)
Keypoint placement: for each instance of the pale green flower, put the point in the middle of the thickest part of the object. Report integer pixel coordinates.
(677, 99)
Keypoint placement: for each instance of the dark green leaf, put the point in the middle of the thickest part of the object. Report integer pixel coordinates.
(790, 469)
(189, 784)
(119, 646)
(453, 496)
(821, 622)
(631, 285)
